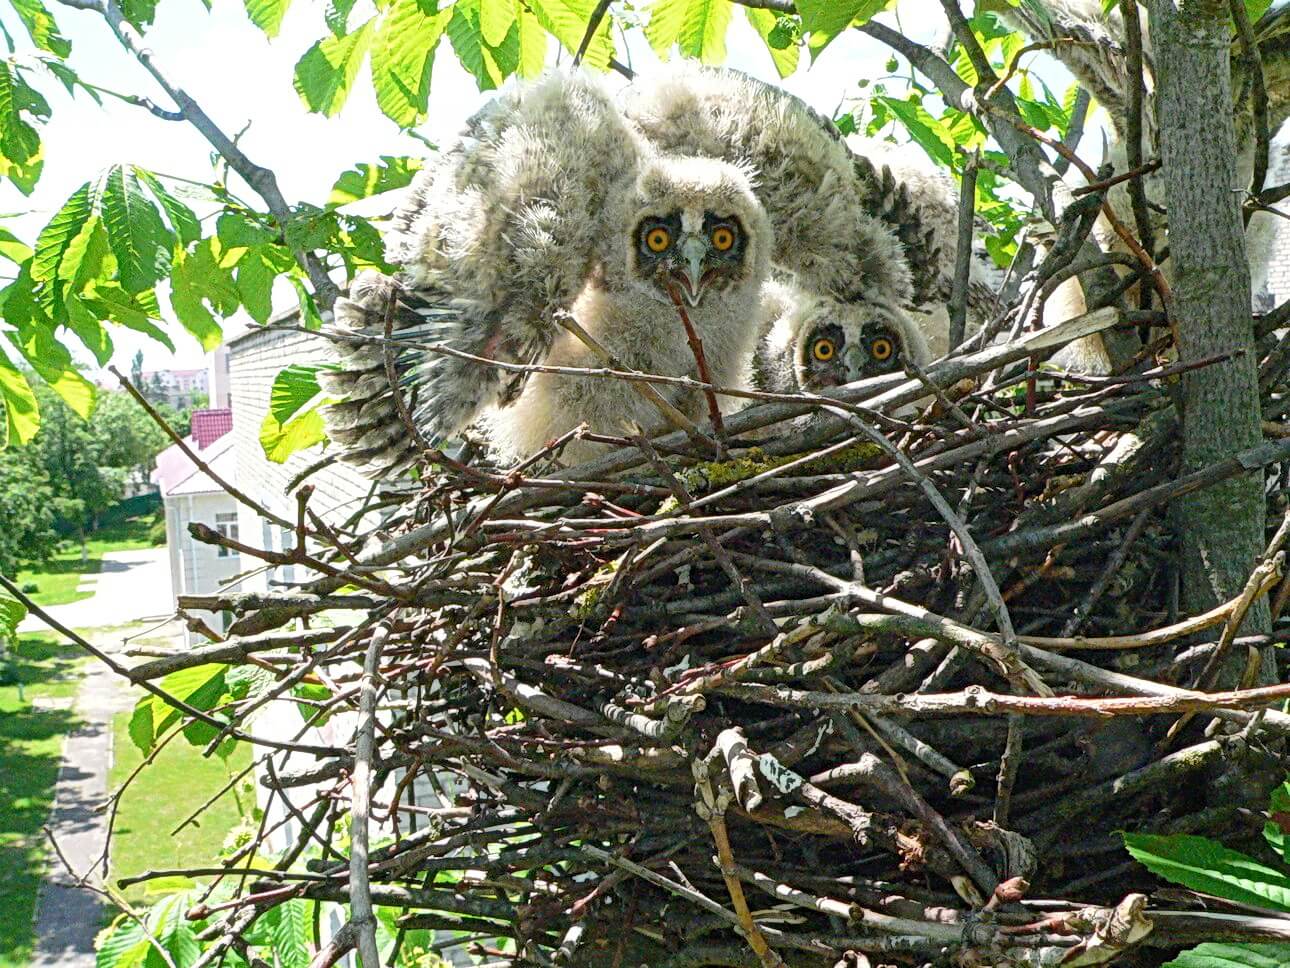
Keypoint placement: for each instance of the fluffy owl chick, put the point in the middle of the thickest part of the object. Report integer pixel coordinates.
(806, 176)
(691, 226)
(812, 342)
(549, 204)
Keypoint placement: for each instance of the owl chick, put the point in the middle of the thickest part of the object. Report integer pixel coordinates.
(812, 342)
(550, 204)
(806, 181)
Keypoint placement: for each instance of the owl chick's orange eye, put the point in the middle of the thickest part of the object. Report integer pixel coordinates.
(881, 349)
(657, 239)
(723, 238)
(823, 349)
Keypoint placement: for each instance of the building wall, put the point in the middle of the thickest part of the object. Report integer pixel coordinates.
(254, 360)
(197, 568)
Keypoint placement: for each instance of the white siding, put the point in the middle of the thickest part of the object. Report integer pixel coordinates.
(197, 568)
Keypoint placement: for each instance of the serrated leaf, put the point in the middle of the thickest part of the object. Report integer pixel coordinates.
(122, 945)
(567, 20)
(666, 18)
(365, 180)
(292, 389)
(293, 934)
(1218, 955)
(823, 20)
(267, 14)
(12, 612)
(767, 24)
(402, 58)
(255, 275)
(134, 311)
(200, 687)
(20, 147)
(41, 27)
(1207, 866)
(326, 72)
(13, 248)
(88, 329)
(22, 415)
(309, 317)
(337, 16)
(489, 65)
(496, 17)
(139, 239)
(703, 30)
(56, 238)
(53, 364)
(183, 221)
(532, 41)
(926, 130)
(140, 13)
(200, 278)
(279, 441)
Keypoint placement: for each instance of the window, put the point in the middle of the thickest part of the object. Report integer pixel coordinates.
(226, 525)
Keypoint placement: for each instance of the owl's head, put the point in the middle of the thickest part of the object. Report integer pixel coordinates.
(696, 227)
(836, 343)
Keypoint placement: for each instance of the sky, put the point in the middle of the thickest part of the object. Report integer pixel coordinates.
(244, 82)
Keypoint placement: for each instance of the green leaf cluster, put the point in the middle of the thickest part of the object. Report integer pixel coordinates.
(294, 421)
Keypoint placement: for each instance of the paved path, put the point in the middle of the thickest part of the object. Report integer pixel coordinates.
(132, 586)
(67, 917)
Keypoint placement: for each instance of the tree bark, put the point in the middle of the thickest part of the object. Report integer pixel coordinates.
(1221, 529)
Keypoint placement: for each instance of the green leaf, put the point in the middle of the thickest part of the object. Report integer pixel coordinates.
(930, 134)
(53, 364)
(14, 249)
(1255, 9)
(567, 20)
(666, 18)
(293, 388)
(703, 31)
(1217, 955)
(496, 17)
(122, 945)
(140, 13)
(1207, 866)
(240, 230)
(12, 612)
(42, 29)
(337, 16)
(365, 180)
(326, 72)
(279, 441)
(200, 687)
(488, 64)
(267, 14)
(21, 153)
(309, 317)
(825, 19)
(783, 52)
(1278, 826)
(22, 416)
(139, 239)
(292, 935)
(134, 311)
(532, 40)
(88, 329)
(182, 219)
(402, 57)
(201, 277)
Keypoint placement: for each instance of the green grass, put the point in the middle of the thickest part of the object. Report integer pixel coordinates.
(161, 797)
(31, 745)
(59, 579)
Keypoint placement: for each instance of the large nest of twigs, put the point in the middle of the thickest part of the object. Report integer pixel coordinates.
(880, 680)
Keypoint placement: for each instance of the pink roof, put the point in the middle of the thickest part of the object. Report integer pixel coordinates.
(176, 474)
(210, 425)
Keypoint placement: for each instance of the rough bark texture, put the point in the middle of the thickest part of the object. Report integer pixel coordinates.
(1222, 528)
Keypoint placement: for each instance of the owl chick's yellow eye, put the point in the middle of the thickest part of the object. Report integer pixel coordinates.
(723, 238)
(823, 350)
(881, 349)
(657, 239)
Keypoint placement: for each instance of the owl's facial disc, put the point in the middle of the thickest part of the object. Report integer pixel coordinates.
(689, 252)
(829, 358)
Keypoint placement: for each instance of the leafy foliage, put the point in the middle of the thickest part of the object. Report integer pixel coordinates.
(294, 421)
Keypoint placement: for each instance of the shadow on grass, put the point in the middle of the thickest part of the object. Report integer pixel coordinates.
(31, 745)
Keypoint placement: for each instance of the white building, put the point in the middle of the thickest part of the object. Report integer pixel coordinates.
(179, 388)
(189, 496)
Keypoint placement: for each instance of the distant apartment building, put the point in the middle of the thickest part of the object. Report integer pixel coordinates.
(179, 388)
(189, 495)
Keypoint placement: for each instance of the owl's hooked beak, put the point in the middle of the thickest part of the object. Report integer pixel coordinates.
(690, 271)
(856, 361)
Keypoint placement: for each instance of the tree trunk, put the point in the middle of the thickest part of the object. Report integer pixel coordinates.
(1221, 528)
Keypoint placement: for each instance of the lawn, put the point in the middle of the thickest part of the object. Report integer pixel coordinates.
(162, 796)
(31, 745)
(59, 578)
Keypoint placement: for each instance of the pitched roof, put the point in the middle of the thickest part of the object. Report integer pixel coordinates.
(210, 425)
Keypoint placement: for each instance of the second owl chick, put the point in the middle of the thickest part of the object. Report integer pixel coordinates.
(811, 342)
